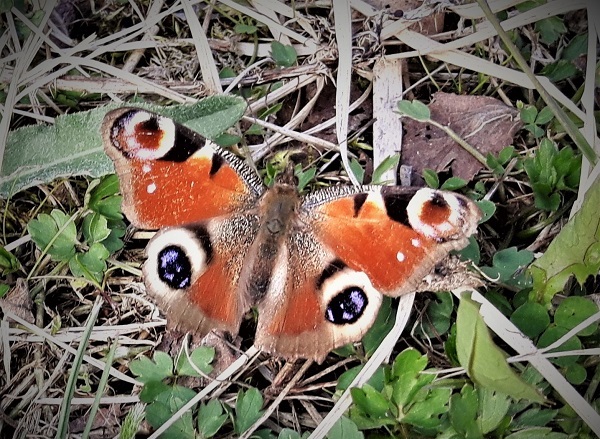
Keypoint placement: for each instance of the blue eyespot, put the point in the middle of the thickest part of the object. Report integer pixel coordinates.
(347, 306)
(174, 267)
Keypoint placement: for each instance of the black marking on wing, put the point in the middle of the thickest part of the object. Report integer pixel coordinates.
(204, 239)
(359, 201)
(217, 163)
(333, 267)
(187, 142)
(395, 205)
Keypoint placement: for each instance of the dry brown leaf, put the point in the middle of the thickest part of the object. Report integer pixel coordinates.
(106, 418)
(485, 122)
(18, 302)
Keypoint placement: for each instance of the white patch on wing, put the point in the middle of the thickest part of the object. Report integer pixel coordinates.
(400, 256)
(180, 237)
(166, 140)
(435, 231)
(151, 188)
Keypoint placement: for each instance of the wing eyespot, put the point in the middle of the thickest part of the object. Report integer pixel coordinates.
(347, 306)
(174, 267)
(176, 258)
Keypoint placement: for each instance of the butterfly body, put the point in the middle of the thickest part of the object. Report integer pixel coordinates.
(315, 266)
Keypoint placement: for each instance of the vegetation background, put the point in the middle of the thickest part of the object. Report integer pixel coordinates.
(508, 111)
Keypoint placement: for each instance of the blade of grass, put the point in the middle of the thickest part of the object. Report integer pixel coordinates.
(63, 417)
(210, 75)
(343, 37)
(100, 390)
(558, 112)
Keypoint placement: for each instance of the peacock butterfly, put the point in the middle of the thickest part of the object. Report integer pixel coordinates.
(315, 266)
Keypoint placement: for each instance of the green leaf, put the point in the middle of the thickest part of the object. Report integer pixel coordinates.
(574, 251)
(225, 140)
(507, 153)
(157, 369)
(242, 28)
(559, 70)
(288, 433)
(304, 177)
(371, 401)
(528, 114)
(91, 264)
(484, 362)
(488, 208)
(263, 433)
(577, 47)
(210, 418)
(102, 197)
(438, 314)
(426, 412)
(544, 116)
(357, 170)
(531, 318)
(152, 389)
(471, 251)
(431, 178)
(406, 376)
(95, 228)
(8, 262)
(247, 409)
(463, 412)
(381, 327)
(550, 29)
(45, 230)
(453, 184)
(535, 130)
(574, 310)
(416, 110)
(493, 407)
(344, 428)
(390, 162)
(537, 433)
(39, 153)
(575, 373)
(507, 267)
(554, 333)
(6, 5)
(494, 164)
(168, 403)
(283, 55)
(201, 357)
(114, 241)
(345, 379)
(534, 417)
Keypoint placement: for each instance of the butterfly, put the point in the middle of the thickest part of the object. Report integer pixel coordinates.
(315, 266)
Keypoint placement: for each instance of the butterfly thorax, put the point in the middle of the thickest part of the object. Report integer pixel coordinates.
(277, 210)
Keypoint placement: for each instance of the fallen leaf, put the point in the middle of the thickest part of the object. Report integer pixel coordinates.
(18, 302)
(485, 362)
(574, 252)
(106, 418)
(484, 122)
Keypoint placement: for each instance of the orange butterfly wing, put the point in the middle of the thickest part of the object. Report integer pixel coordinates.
(169, 174)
